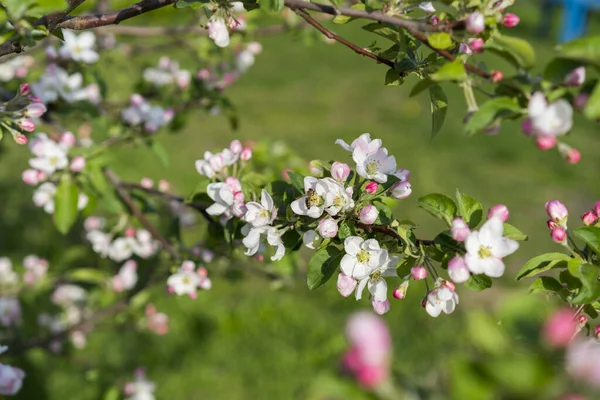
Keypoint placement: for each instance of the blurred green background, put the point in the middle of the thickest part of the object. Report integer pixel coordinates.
(246, 340)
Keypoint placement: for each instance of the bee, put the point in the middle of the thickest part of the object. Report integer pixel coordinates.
(312, 198)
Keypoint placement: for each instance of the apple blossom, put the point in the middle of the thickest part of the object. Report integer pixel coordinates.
(313, 203)
(499, 211)
(375, 281)
(459, 230)
(368, 214)
(576, 77)
(559, 235)
(35, 269)
(380, 307)
(362, 257)
(418, 273)
(558, 213)
(441, 299)
(263, 213)
(340, 171)
(363, 142)
(157, 322)
(475, 23)
(497, 76)
(126, 278)
(184, 281)
(15, 68)
(79, 47)
(571, 155)
(327, 228)
(52, 159)
(11, 380)
(583, 361)
(100, 241)
(560, 328)
(218, 31)
(121, 248)
(376, 165)
(463, 48)
(30, 177)
(549, 119)
(371, 187)
(401, 190)
(510, 20)
(589, 218)
(141, 388)
(10, 311)
(311, 239)
(486, 248)
(458, 270)
(68, 294)
(337, 198)
(246, 154)
(400, 292)
(475, 45)
(44, 197)
(346, 284)
(77, 164)
(545, 142)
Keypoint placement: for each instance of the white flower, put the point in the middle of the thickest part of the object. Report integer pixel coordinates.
(11, 380)
(57, 83)
(362, 257)
(376, 282)
(126, 278)
(15, 68)
(254, 236)
(184, 281)
(8, 277)
(274, 239)
(427, 6)
(44, 196)
(217, 31)
(313, 204)
(311, 239)
(327, 228)
(144, 245)
(263, 213)
(346, 284)
(336, 198)
(222, 195)
(363, 142)
(68, 295)
(122, 248)
(550, 119)
(376, 166)
(441, 299)
(211, 164)
(79, 47)
(252, 239)
(141, 388)
(244, 60)
(487, 247)
(100, 241)
(10, 311)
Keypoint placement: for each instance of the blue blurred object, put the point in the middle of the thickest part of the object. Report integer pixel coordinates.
(574, 18)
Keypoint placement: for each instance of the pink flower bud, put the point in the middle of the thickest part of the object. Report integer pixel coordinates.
(597, 332)
(130, 232)
(327, 228)
(580, 101)
(582, 320)
(573, 156)
(233, 184)
(400, 292)
(545, 142)
(24, 89)
(68, 139)
(77, 164)
(371, 187)
(497, 76)
(136, 100)
(460, 230)
(345, 284)
(559, 235)
(381, 307)
(418, 273)
(203, 74)
(551, 224)
(560, 328)
(575, 78)
(26, 124)
(164, 185)
(340, 171)
(146, 183)
(499, 211)
(254, 48)
(30, 177)
(449, 284)
(589, 218)
(368, 214)
(434, 20)
(35, 110)
(476, 45)
(401, 190)
(557, 212)
(236, 146)
(458, 270)
(463, 48)
(527, 127)
(20, 139)
(597, 208)
(510, 20)
(246, 154)
(475, 23)
(402, 174)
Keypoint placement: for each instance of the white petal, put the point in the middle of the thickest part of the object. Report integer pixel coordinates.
(347, 264)
(505, 247)
(448, 306)
(266, 200)
(361, 287)
(216, 209)
(433, 310)
(89, 56)
(352, 244)
(474, 263)
(537, 105)
(492, 267)
(490, 231)
(299, 206)
(86, 39)
(378, 289)
(472, 243)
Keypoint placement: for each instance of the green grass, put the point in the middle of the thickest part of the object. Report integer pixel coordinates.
(245, 340)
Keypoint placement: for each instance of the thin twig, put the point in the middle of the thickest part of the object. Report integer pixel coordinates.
(331, 35)
(386, 230)
(124, 195)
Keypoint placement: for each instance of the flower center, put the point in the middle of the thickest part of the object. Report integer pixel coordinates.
(263, 214)
(484, 251)
(53, 160)
(376, 276)
(186, 280)
(372, 167)
(313, 199)
(363, 257)
(339, 201)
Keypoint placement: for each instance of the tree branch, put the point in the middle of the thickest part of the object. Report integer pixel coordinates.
(331, 35)
(386, 230)
(124, 195)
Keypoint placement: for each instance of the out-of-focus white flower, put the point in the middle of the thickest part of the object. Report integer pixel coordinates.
(218, 31)
(80, 47)
(141, 388)
(11, 379)
(126, 278)
(8, 277)
(35, 267)
(10, 311)
(16, 67)
(122, 248)
(68, 295)
(44, 196)
(552, 119)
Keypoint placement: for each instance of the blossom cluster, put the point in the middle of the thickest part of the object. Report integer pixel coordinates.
(79, 48)
(141, 388)
(57, 84)
(21, 113)
(50, 161)
(167, 73)
(141, 112)
(187, 280)
(11, 378)
(119, 247)
(224, 20)
(15, 68)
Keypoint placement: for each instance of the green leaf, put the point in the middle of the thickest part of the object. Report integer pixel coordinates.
(543, 263)
(439, 106)
(384, 30)
(322, 265)
(557, 69)
(297, 180)
(421, 86)
(513, 233)
(114, 393)
(160, 152)
(588, 276)
(591, 236)
(454, 71)
(516, 51)
(491, 110)
(592, 108)
(343, 19)
(585, 49)
(440, 40)
(394, 77)
(346, 229)
(87, 275)
(65, 204)
(477, 283)
(439, 206)
(548, 285)
(469, 209)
